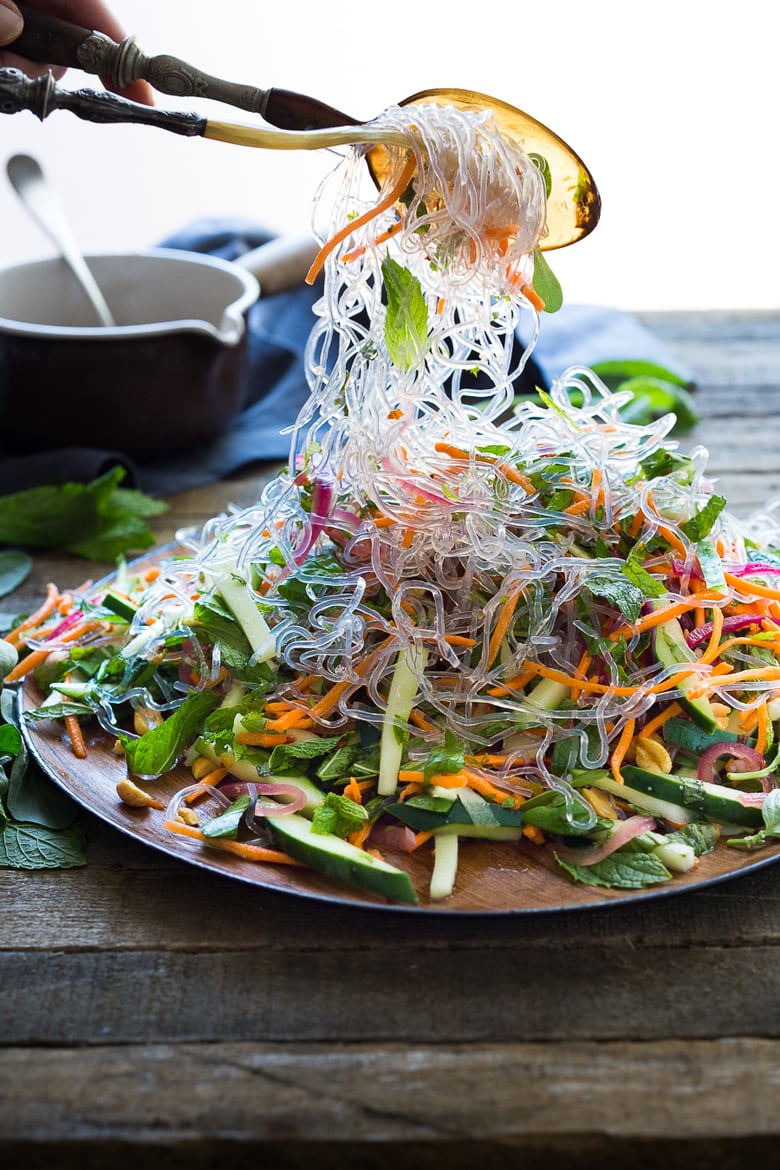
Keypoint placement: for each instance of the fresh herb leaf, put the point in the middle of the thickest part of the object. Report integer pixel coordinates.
(339, 816)
(227, 823)
(546, 284)
(446, 757)
(636, 573)
(619, 871)
(96, 520)
(24, 846)
(770, 811)
(701, 836)
(619, 592)
(8, 658)
(541, 163)
(406, 321)
(156, 751)
(662, 463)
(711, 565)
(14, 569)
(701, 524)
(282, 757)
(10, 740)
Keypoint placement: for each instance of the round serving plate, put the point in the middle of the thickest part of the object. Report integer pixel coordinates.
(493, 877)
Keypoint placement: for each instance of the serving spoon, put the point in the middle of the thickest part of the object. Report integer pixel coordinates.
(574, 204)
(43, 203)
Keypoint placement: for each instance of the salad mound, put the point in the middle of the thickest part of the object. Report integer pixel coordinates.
(452, 616)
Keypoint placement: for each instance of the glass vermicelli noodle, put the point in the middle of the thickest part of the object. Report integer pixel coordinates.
(440, 564)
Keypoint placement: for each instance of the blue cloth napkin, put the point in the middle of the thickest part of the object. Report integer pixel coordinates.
(278, 329)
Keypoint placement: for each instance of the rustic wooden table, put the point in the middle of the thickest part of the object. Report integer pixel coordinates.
(155, 1013)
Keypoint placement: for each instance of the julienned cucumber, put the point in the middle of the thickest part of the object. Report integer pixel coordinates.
(467, 810)
(338, 859)
(247, 772)
(664, 810)
(671, 649)
(713, 802)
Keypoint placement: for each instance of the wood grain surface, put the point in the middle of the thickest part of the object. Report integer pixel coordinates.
(159, 1014)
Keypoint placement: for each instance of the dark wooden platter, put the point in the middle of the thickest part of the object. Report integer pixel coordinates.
(493, 878)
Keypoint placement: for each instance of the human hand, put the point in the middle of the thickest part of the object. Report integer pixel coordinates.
(91, 14)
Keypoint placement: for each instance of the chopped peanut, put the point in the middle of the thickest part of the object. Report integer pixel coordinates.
(145, 718)
(650, 753)
(136, 797)
(189, 817)
(201, 767)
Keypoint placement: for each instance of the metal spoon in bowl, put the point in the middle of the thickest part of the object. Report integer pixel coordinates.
(29, 182)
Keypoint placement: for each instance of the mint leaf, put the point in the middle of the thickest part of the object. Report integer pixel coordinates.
(282, 757)
(10, 740)
(339, 816)
(618, 592)
(701, 524)
(634, 570)
(619, 871)
(95, 520)
(701, 836)
(32, 797)
(14, 569)
(24, 846)
(711, 565)
(157, 750)
(227, 823)
(541, 164)
(770, 811)
(406, 321)
(446, 757)
(8, 658)
(662, 463)
(546, 284)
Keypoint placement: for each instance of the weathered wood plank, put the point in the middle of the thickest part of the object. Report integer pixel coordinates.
(127, 890)
(317, 991)
(563, 1098)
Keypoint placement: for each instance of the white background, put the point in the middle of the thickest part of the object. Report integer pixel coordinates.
(673, 106)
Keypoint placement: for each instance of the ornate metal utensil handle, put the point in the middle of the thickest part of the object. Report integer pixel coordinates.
(46, 38)
(42, 95)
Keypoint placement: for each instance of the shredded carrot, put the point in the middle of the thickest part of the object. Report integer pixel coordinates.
(620, 749)
(714, 647)
(533, 833)
(397, 413)
(655, 724)
(419, 720)
(39, 615)
(581, 672)
(240, 848)
(353, 791)
(459, 640)
(331, 698)
(263, 739)
(210, 780)
(382, 238)
(152, 574)
(514, 684)
(659, 616)
(75, 736)
(291, 718)
(577, 508)
(762, 736)
(503, 623)
(358, 838)
(751, 588)
(530, 294)
(421, 838)
(27, 665)
(389, 199)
